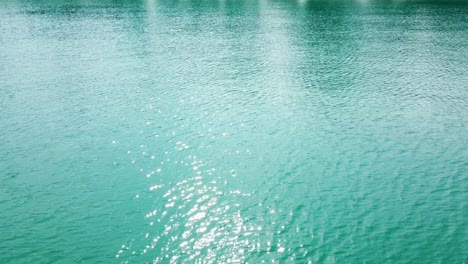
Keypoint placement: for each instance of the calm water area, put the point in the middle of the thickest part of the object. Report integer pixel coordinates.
(217, 131)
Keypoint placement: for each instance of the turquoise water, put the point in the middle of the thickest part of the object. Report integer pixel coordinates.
(233, 131)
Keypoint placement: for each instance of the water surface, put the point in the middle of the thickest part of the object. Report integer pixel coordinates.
(243, 131)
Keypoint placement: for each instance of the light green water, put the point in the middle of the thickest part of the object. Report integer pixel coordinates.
(243, 131)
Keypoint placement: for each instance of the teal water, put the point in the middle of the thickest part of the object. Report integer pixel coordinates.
(233, 131)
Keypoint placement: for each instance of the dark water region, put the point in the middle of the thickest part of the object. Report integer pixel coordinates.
(233, 131)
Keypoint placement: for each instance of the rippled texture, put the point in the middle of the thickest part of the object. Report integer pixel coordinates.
(233, 131)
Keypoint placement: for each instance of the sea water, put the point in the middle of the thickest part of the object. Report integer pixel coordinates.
(224, 131)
